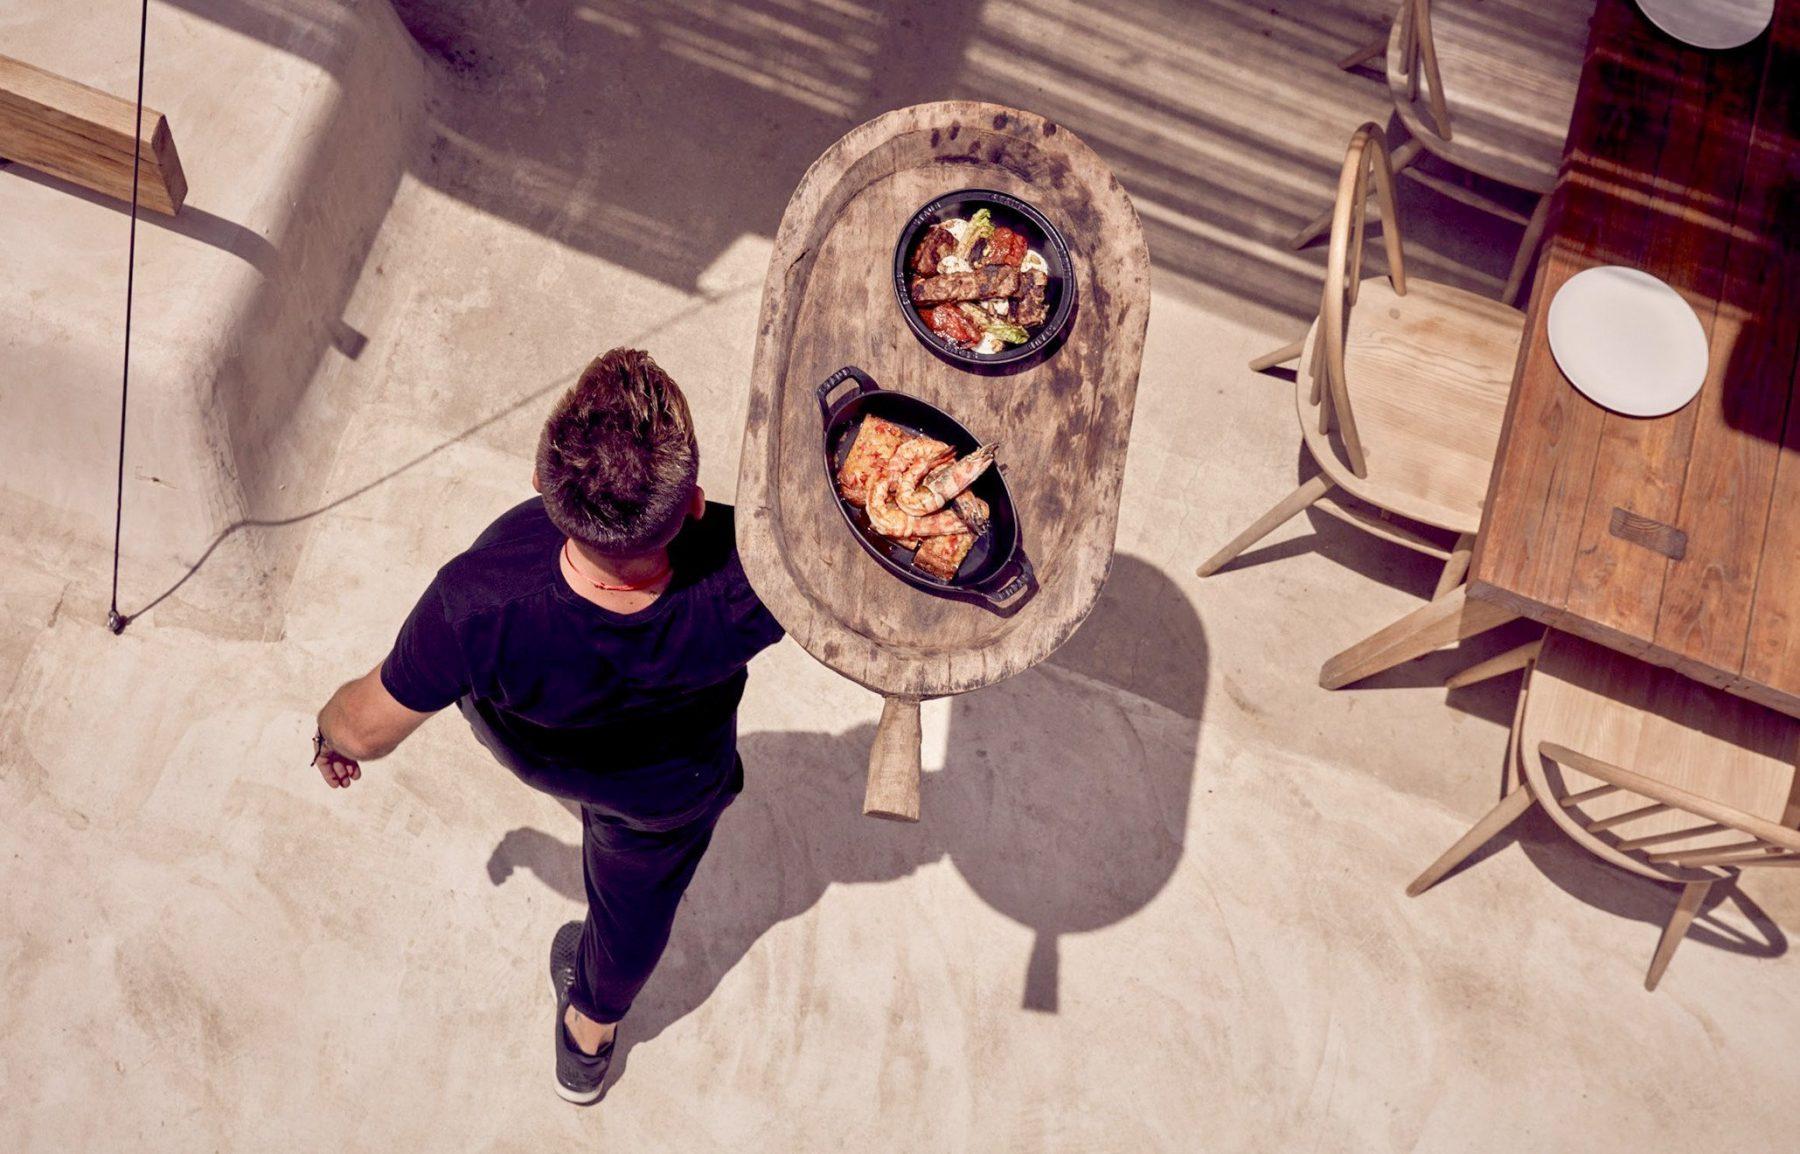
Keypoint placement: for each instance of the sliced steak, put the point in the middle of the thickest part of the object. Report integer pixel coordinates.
(937, 243)
(982, 284)
(1031, 309)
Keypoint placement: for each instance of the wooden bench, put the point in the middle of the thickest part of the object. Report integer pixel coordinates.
(84, 136)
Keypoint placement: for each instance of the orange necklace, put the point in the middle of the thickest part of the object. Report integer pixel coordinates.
(633, 588)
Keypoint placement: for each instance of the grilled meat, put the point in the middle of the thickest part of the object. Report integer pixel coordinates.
(982, 284)
(1031, 309)
(937, 243)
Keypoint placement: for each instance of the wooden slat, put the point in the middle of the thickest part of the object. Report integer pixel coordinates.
(1626, 817)
(84, 136)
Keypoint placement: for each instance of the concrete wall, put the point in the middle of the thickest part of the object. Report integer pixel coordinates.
(294, 135)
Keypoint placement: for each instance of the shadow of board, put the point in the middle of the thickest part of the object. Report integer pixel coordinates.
(1062, 803)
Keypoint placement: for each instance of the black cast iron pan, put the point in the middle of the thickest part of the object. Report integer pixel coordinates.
(996, 573)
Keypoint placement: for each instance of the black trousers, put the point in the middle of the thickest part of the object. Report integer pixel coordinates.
(635, 879)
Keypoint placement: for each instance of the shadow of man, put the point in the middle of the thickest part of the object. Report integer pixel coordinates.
(1063, 802)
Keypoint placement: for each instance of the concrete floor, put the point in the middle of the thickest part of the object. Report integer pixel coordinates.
(1155, 903)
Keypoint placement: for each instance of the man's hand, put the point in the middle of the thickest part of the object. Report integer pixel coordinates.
(361, 722)
(337, 770)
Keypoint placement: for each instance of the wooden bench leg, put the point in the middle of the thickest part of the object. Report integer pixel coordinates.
(1692, 895)
(1264, 525)
(1508, 811)
(1444, 621)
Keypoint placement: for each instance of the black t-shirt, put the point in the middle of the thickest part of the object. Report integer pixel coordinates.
(633, 714)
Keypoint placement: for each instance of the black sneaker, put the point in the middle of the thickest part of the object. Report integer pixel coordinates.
(578, 1075)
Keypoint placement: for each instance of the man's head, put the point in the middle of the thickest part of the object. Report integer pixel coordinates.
(617, 463)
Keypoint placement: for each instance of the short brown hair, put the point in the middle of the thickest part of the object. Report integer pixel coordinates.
(618, 460)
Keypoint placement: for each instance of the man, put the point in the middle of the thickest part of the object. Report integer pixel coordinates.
(596, 640)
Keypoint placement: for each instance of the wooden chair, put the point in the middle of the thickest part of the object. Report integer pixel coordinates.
(1402, 387)
(1513, 67)
(1648, 770)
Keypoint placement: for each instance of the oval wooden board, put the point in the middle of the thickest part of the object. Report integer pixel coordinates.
(1062, 423)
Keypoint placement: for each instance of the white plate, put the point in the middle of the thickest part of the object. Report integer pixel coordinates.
(1716, 24)
(1628, 341)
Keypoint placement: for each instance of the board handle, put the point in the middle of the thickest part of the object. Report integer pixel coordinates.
(893, 790)
(850, 373)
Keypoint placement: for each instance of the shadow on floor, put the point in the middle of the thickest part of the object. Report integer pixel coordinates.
(1062, 802)
(655, 135)
(1397, 567)
(1749, 929)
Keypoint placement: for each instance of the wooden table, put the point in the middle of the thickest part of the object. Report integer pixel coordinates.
(1676, 539)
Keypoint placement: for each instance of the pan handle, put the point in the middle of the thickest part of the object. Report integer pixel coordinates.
(847, 373)
(1014, 582)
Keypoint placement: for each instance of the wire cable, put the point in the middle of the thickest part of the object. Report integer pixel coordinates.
(115, 620)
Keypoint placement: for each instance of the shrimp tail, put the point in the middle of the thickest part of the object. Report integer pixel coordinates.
(952, 479)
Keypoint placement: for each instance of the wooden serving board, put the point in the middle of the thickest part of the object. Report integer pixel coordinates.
(1062, 422)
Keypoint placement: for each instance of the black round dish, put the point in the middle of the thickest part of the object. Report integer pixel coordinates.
(995, 573)
(1059, 294)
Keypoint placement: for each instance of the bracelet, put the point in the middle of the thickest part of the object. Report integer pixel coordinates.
(323, 748)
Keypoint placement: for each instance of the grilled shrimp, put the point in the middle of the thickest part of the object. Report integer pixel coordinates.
(887, 518)
(909, 464)
(925, 486)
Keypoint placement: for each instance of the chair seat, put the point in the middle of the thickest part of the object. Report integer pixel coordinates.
(1428, 373)
(1510, 70)
(1659, 724)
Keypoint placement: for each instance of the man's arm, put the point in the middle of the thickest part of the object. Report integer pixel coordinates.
(361, 722)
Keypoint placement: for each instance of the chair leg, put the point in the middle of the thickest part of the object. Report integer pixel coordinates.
(1534, 232)
(1264, 525)
(1368, 52)
(1280, 356)
(1508, 811)
(1313, 229)
(1457, 567)
(1692, 895)
(1495, 666)
(1398, 161)
(1451, 618)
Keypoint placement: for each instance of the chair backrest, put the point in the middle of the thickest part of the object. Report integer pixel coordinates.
(1366, 168)
(1705, 835)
